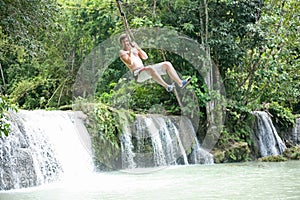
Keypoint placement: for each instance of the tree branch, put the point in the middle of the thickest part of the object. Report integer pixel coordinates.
(3, 80)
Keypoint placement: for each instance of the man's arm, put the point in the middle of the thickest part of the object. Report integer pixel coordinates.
(141, 52)
(125, 57)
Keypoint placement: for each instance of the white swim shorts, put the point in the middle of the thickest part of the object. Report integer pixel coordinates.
(141, 75)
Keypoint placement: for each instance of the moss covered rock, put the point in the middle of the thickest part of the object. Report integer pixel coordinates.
(219, 156)
(273, 158)
(237, 152)
(292, 153)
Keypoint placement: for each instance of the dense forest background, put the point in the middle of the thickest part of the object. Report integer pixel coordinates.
(254, 44)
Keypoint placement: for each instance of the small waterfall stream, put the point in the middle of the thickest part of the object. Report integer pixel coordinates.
(127, 146)
(296, 132)
(156, 140)
(266, 138)
(42, 147)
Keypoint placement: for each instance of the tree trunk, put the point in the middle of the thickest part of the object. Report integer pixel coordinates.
(154, 8)
(214, 108)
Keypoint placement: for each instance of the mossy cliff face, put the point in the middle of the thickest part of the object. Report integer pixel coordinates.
(105, 126)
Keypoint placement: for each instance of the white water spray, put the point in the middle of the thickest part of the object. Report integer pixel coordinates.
(266, 137)
(44, 146)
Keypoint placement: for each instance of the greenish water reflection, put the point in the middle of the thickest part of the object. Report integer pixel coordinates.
(255, 180)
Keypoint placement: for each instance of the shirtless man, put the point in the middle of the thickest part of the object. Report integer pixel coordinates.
(132, 56)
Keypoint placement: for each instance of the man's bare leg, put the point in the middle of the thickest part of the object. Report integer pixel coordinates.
(168, 67)
(155, 76)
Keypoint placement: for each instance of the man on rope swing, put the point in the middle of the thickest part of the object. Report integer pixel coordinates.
(132, 56)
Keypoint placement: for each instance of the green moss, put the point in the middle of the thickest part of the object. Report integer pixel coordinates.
(237, 152)
(219, 156)
(292, 153)
(105, 125)
(273, 158)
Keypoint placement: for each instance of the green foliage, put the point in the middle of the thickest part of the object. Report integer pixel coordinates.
(140, 97)
(34, 93)
(238, 125)
(232, 132)
(26, 22)
(29, 36)
(96, 20)
(4, 107)
(262, 72)
(23, 87)
(200, 90)
(283, 116)
(255, 45)
(106, 126)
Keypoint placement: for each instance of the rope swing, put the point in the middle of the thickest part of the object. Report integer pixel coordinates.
(125, 22)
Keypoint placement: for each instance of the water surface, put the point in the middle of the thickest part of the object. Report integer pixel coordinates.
(253, 180)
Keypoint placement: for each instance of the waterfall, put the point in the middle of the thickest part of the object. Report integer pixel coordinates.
(200, 155)
(266, 138)
(156, 140)
(127, 152)
(180, 145)
(158, 151)
(296, 132)
(47, 146)
(43, 146)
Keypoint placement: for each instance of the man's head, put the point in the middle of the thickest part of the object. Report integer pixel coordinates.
(122, 37)
(124, 41)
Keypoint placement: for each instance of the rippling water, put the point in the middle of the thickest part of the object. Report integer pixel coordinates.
(253, 180)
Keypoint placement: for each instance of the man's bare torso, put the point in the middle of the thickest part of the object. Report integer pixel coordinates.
(135, 61)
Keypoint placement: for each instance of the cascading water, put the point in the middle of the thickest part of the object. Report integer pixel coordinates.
(161, 141)
(198, 155)
(42, 147)
(159, 156)
(174, 130)
(45, 146)
(127, 153)
(266, 138)
(296, 132)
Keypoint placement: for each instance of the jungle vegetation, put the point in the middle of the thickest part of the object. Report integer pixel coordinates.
(254, 44)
